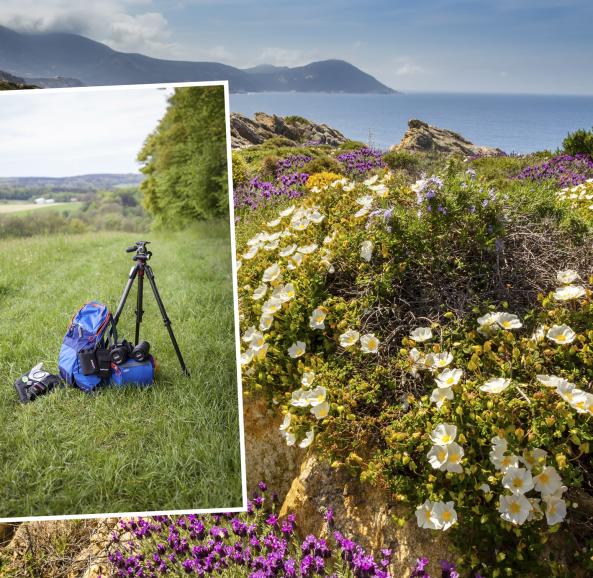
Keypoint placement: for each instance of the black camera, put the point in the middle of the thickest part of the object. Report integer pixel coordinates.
(121, 352)
(141, 351)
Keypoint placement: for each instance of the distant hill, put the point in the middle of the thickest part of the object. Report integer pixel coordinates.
(78, 183)
(76, 59)
(11, 82)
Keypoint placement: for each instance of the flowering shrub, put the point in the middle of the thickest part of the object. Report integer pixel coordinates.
(321, 180)
(291, 164)
(566, 170)
(579, 196)
(257, 192)
(407, 332)
(257, 544)
(361, 161)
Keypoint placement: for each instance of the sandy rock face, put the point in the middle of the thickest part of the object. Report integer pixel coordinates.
(422, 137)
(362, 513)
(246, 132)
(267, 455)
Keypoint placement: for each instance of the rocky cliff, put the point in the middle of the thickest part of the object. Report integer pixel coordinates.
(294, 130)
(422, 137)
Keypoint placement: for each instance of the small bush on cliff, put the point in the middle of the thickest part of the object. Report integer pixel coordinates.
(579, 142)
(405, 160)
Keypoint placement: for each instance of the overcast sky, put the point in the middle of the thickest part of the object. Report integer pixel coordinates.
(55, 134)
(538, 46)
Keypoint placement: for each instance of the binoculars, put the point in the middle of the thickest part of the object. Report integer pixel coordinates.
(125, 350)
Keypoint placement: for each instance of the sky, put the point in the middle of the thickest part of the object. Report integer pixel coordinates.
(66, 133)
(517, 46)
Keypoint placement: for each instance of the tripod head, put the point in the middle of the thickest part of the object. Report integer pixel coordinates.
(142, 253)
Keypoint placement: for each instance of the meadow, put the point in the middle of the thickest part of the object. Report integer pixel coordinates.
(174, 445)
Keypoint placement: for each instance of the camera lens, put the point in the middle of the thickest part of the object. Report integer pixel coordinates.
(121, 352)
(141, 351)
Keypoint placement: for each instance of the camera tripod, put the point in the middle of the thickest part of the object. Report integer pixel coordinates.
(138, 271)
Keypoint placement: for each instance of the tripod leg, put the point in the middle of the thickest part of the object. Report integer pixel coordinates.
(122, 301)
(139, 309)
(166, 319)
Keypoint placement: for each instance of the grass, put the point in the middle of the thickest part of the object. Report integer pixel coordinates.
(174, 445)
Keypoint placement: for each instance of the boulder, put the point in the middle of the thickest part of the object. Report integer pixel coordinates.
(422, 137)
(268, 457)
(246, 132)
(362, 513)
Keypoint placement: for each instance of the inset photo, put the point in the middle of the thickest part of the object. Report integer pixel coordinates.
(119, 387)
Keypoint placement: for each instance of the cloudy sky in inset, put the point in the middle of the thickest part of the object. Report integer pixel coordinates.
(534, 46)
(65, 133)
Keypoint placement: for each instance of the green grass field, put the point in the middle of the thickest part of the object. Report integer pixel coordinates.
(20, 209)
(174, 445)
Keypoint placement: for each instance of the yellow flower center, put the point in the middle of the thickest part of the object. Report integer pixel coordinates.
(544, 478)
(446, 438)
(454, 457)
(442, 455)
(451, 380)
(517, 483)
(447, 516)
(515, 508)
(506, 324)
(561, 337)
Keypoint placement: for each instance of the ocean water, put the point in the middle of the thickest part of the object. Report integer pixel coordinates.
(514, 123)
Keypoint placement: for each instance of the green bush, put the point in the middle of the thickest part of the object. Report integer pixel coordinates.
(351, 145)
(579, 142)
(323, 164)
(402, 160)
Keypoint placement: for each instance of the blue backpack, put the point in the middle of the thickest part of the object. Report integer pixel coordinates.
(86, 333)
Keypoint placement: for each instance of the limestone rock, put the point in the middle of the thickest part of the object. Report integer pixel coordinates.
(363, 513)
(267, 455)
(246, 132)
(422, 137)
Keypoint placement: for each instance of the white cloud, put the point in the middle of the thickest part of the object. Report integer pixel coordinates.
(405, 66)
(286, 56)
(119, 23)
(65, 133)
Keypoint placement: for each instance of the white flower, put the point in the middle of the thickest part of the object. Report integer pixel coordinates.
(449, 377)
(271, 306)
(297, 349)
(298, 398)
(444, 515)
(437, 456)
(548, 482)
(443, 434)
(349, 338)
(371, 180)
(503, 462)
(286, 423)
(286, 293)
(260, 292)
(272, 246)
(499, 444)
(488, 323)
(574, 396)
(439, 360)
(289, 437)
(440, 394)
(287, 251)
(365, 201)
(308, 440)
(248, 335)
(316, 217)
(265, 322)
(551, 380)
(257, 341)
(517, 480)
(366, 251)
(362, 211)
(295, 261)
(514, 508)
(561, 334)
(509, 321)
(555, 509)
(273, 224)
(369, 343)
(271, 273)
(495, 385)
(251, 253)
(316, 396)
(316, 321)
(247, 356)
(287, 212)
(424, 516)
(539, 334)
(300, 225)
(239, 263)
(308, 378)
(320, 411)
(534, 457)
(380, 190)
(566, 277)
(485, 488)
(421, 334)
(568, 292)
(446, 458)
(307, 249)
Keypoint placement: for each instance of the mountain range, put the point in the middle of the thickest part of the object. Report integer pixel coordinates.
(77, 183)
(65, 59)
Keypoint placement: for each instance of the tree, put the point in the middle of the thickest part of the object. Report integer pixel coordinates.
(185, 159)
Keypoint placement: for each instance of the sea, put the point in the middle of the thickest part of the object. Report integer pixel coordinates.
(514, 123)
